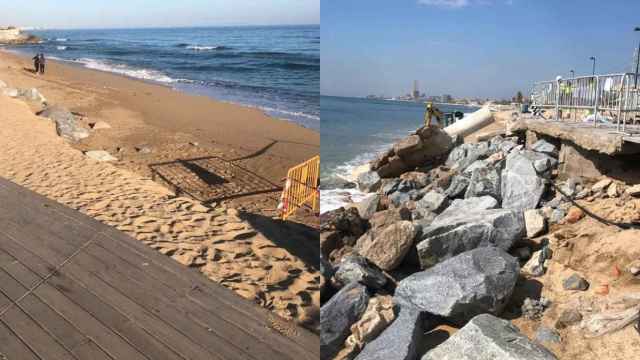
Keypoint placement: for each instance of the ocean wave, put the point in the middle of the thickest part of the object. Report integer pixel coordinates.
(202, 47)
(62, 48)
(294, 66)
(289, 113)
(336, 198)
(144, 74)
(62, 39)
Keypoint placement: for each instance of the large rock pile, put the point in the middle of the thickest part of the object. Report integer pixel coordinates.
(437, 233)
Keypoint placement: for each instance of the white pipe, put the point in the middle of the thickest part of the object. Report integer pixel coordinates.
(470, 123)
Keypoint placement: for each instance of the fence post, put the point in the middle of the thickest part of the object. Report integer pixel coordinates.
(557, 99)
(595, 106)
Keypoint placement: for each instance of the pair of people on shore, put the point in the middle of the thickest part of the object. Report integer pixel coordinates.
(39, 63)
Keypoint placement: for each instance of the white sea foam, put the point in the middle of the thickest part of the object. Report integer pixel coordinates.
(290, 113)
(332, 199)
(203, 48)
(61, 47)
(145, 74)
(62, 39)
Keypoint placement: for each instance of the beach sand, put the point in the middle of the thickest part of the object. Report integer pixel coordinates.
(234, 242)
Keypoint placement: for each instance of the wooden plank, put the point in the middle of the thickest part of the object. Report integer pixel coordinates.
(47, 245)
(181, 312)
(214, 299)
(210, 297)
(104, 312)
(45, 346)
(51, 322)
(115, 346)
(11, 346)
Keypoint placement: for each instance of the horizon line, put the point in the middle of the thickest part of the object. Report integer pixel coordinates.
(34, 28)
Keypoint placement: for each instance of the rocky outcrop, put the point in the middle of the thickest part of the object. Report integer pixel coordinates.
(426, 145)
(474, 282)
(487, 337)
(14, 36)
(337, 316)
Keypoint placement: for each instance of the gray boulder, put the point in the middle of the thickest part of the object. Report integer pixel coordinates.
(368, 206)
(469, 205)
(507, 145)
(387, 248)
(66, 125)
(457, 187)
(451, 235)
(337, 316)
(484, 181)
(474, 282)
(432, 201)
(368, 181)
(397, 342)
(355, 268)
(521, 187)
(487, 337)
(545, 147)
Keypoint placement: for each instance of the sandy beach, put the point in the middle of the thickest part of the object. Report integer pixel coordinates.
(234, 241)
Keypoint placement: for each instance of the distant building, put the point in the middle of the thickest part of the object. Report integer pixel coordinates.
(446, 98)
(416, 93)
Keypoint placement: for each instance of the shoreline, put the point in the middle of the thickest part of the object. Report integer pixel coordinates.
(235, 242)
(150, 115)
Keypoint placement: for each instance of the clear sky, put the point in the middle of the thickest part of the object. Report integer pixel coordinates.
(156, 13)
(484, 48)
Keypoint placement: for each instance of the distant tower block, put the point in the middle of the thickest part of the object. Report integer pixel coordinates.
(416, 92)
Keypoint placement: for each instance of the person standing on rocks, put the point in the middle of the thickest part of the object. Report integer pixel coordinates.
(36, 63)
(42, 62)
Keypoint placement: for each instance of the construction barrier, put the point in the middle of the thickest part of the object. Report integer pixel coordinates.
(301, 188)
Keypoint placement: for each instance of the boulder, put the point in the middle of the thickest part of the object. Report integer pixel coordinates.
(368, 181)
(545, 147)
(337, 316)
(368, 206)
(537, 265)
(382, 219)
(521, 188)
(100, 155)
(397, 342)
(388, 248)
(408, 145)
(575, 282)
(432, 201)
(568, 317)
(458, 187)
(420, 179)
(355, 268)
(473, 204)
(484, 181)
(427, 144)
(471, 283)
(66, 125)
(449, 236)
(326, 273)
(487, 337)
(535, 223)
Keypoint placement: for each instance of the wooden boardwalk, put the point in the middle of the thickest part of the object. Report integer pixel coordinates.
(73, 288)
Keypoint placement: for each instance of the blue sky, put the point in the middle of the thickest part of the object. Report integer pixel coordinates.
(485, 48)
(160, 13)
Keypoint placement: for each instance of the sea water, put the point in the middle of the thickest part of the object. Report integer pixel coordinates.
(273, 68)
(354, 131)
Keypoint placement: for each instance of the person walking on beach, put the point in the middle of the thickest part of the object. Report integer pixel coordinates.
(42, 62)
(36, 63)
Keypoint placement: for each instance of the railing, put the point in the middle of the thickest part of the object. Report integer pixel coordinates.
(611, 99)
(301, 187)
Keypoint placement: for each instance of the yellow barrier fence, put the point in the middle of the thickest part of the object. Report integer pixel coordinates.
(301, 188)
